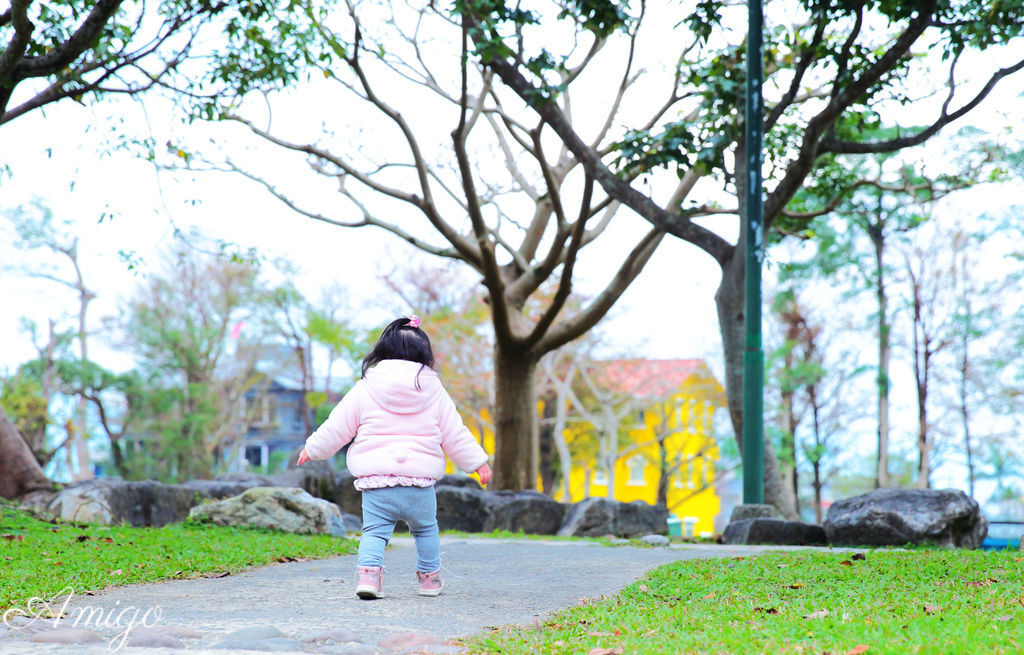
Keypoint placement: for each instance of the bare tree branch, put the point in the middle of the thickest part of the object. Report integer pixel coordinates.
(464, 246)
(565, 283)
(510, 161)
(23, 28)
(806, 58)
(811, 145)
(563, 333)
(368, 217)
(615, 186)
(945, 118)
(68, 51)
(489, 266)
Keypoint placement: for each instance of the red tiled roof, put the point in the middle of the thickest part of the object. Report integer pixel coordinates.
(647, 377)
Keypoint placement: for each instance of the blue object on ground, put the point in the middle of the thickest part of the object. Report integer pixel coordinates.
(1003, 535)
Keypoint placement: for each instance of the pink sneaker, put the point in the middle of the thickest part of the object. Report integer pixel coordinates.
(430, 583)
(369, 581)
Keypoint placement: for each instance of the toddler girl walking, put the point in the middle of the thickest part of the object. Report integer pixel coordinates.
(401, 423)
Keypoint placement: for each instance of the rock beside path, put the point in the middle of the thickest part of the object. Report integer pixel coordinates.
(464, 509)
(110, 502)
(529, 512)
(280, 508)
(774, 531)
(895, 517)
(597, 517)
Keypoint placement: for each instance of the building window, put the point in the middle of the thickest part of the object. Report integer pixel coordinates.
(600, 477)
(686, 474)
(264, 412)
(636, 465)
(258, 455)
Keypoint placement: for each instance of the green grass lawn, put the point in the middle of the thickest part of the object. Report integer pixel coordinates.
(917, 601)
(40, 559)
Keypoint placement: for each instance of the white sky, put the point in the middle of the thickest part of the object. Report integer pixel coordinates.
(678, 317)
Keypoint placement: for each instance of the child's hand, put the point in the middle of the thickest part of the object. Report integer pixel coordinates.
(485, 474)
(303, 458)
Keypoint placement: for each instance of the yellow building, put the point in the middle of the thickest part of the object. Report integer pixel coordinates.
(667, 409)
(662, 414)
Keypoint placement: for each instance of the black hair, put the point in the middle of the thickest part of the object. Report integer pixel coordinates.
(400, 340)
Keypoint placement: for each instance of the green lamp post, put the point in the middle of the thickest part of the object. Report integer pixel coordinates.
(753, 355)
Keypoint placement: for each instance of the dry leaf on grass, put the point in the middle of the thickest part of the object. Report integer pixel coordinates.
(618, 650)
(820, 614)
(859, 557)
(710, 596)
(858, 649)
(980, 583)
(931, 609)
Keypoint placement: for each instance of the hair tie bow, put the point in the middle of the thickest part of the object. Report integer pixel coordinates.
(414, 321)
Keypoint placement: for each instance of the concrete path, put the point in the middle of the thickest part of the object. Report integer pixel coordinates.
(310, 606)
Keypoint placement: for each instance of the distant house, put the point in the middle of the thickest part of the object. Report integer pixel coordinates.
(667, 409)
(278, 414)
(669, 435)
(277, 427)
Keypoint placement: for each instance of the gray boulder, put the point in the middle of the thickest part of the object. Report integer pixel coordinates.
(352, 523)
(896, 517)
(227, 485)
(774, 531)
(597, 517)
(753, 511)
(458, 481)
(463, 508)
(530, 512)
(335, 486)
(280, 508)
(112, 502)
(659, 540)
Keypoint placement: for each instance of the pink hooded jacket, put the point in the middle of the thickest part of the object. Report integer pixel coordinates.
(398, 429)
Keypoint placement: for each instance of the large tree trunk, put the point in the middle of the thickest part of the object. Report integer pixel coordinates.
(729, 301)
(19, 471)
(515, 420)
